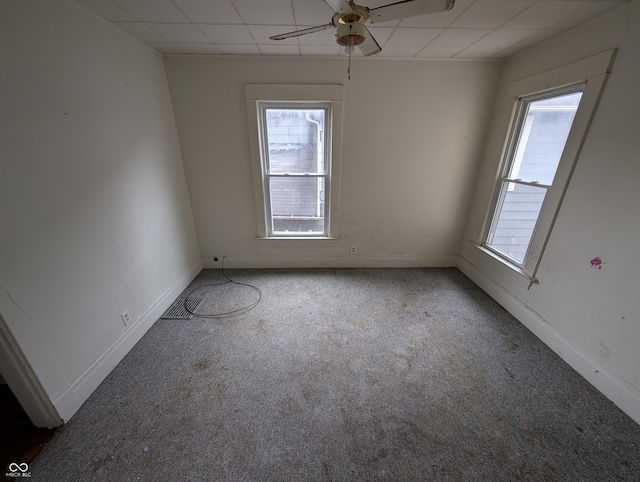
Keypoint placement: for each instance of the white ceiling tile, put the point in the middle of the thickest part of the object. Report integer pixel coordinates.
(140, 31)
(261, 34)
(437, 52)
(153, 10)
(227, 34)
(545, 14)
(456, 37)
(593, 10)
(199, 49)
(438, 20)
(279, 49)
(388, 51)
(490, 13)
(107, 10)
(186, 33)
(325, 38)
(209, 11)
(390, 23)
(319, 50)
(239, 49)
(502, 39)
(478, 53)
(312, 12)
(165, 47)
(381, 34)
(271, 12)
(540, 36)
(412, 37)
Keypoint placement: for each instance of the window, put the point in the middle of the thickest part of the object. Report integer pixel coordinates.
(539, 133)
(294, 154)
(549, 121)
(295, 147)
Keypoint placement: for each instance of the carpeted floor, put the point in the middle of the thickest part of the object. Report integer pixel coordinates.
(371, 374)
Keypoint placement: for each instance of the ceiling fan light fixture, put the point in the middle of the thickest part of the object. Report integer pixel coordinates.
(350, 34)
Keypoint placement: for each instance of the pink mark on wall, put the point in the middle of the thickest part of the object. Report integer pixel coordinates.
(596, 263)
(604, 351)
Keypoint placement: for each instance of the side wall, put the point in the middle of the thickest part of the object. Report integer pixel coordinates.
(590, 317)
(94, 208)
(412, 134)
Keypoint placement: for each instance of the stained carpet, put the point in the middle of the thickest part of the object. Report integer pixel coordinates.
(336, 375)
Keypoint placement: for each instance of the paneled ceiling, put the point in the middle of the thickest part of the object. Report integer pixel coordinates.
(473, 29)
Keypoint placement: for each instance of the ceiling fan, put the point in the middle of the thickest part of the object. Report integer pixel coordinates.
(349, 19)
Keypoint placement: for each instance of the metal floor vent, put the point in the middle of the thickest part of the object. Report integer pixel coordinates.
(177, 310)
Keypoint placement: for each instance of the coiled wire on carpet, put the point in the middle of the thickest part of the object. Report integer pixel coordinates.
(227, 313)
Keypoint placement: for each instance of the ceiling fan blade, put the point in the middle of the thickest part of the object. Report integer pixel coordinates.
(305, 31)
(339, 6)
(408, 8)
(370, 45)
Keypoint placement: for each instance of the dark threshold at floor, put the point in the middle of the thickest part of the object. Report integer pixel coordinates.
(20, 441)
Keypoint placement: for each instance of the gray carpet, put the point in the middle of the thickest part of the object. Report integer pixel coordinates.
(372, 374)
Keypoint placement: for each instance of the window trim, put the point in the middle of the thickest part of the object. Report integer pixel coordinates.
(587, 75)
(511, 157)
(257, 95)
(263, 106)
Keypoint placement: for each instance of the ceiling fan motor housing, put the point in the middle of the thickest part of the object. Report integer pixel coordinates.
(350, 34)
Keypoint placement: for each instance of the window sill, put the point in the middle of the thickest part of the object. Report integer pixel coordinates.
(293, 241)
(504, 263)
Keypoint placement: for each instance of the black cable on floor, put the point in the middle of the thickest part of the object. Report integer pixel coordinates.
(227, 313)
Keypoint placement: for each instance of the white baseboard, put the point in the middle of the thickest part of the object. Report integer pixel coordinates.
(607, 381)
(354, 261)
(71, 399)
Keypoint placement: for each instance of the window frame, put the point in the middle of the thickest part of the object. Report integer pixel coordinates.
(261, 96)
(512, 156)
(268, 174)
(588, 76)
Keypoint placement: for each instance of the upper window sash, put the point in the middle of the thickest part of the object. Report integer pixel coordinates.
(326, 107)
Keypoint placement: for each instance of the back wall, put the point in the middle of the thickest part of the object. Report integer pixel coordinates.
(412, 137)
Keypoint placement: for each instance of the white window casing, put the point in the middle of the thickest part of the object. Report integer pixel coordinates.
(587, 76)
(261, 98)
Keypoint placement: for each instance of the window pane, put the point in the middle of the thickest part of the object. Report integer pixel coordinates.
(297, 204)
(516, 217)
(543, 135)
(295, 138)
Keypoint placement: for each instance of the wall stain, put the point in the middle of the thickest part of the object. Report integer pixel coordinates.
(596, 263)
(604, 351)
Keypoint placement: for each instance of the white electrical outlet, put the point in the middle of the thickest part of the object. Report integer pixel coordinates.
(354, 249)
(126, 318)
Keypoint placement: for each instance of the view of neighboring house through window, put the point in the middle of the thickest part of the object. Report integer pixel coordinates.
(295, 155)
(537, 140)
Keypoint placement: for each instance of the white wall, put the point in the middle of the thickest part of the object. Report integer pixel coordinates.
(94, 211)
(590, 317)
(412, 139)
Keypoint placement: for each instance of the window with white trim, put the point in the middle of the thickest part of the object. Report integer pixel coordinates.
(295, 164)
(539, 132)
(295, 147)
(550, 118)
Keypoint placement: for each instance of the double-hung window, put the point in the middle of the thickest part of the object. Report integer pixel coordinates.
(295, 140)
(295, 152)
(539, 132)
(549, 122)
